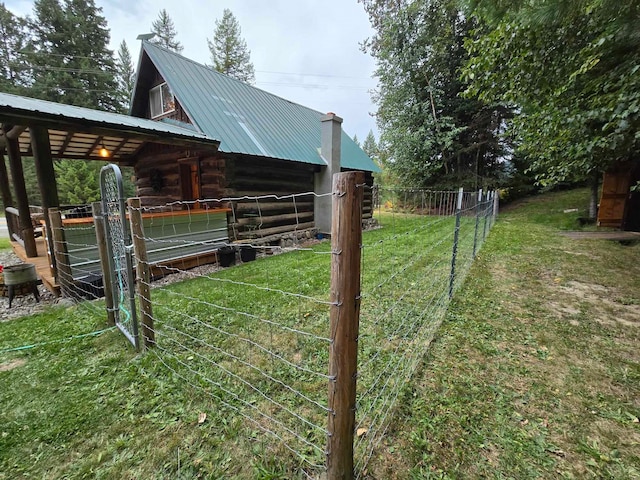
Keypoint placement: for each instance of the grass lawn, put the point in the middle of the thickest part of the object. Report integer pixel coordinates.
(534, 372)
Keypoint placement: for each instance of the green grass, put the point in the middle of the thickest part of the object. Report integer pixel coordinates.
(506, 390)
(535, 372)
(5, 244)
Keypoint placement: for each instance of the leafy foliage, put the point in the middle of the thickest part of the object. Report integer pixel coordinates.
(165, 32)
(229, 52)
(572, 71)
(434, 136)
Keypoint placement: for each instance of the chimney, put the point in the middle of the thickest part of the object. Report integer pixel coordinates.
(331, 138)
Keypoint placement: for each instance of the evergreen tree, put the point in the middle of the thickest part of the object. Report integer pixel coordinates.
(78, 182)
(69, 54)
(229, 52)
(355, 139)
(437, 137)
(370, 146)
(125, 76)
(165, 32)
(13, 38)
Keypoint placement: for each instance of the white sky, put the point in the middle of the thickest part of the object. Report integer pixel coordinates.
(307, 51)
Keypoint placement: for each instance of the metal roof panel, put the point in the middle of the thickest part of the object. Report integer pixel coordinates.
(247, 119)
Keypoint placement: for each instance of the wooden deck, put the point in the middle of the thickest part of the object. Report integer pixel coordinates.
(41, 262)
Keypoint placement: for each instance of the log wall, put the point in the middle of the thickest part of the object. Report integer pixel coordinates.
(253, 177)
(158, 178)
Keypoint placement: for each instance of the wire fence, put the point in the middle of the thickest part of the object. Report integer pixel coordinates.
(256, 340)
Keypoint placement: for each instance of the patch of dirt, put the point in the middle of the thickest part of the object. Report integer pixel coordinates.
(601, 303)
(5, 367)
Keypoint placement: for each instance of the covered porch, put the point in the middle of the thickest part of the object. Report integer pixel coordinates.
(46, 131)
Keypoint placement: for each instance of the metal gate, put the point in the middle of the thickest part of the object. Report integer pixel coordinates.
(119, 249)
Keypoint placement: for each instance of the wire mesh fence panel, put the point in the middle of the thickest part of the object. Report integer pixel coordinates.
(118, 242)
(252, 343)
(254, 340)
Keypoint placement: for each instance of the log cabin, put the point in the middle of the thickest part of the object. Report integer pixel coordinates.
(269, 146)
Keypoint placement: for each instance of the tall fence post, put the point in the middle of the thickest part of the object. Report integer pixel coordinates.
(63, 267)
(486, 204)
(456, 234)
(98, 223)
(143, 275)
(475, 232)
(346, 239)
(496, 203)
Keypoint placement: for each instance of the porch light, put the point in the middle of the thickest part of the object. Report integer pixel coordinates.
(104, 153)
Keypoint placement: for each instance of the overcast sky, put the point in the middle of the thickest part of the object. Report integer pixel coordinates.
(307, 51)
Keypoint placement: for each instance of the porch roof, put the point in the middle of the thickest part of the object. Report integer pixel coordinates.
(77, 132)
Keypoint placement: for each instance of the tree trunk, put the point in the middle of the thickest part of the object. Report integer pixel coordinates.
(595, 190)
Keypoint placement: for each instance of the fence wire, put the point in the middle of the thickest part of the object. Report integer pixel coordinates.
(255, 340)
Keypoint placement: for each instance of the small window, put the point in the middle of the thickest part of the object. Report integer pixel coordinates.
(161, 100)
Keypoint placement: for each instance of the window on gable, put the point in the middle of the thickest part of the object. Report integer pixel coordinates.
(161, 100)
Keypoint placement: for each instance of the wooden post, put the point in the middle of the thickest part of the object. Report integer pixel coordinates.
(26, 227)
(143, 275)
(98, 221)
(456, 235)
(346, 239)
(5, 190)
(41, 147)
(63, 267)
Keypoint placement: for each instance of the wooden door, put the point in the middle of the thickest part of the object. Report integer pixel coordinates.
(615, 192)
(190, 181)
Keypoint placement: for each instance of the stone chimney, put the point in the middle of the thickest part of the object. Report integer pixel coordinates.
(331, 138)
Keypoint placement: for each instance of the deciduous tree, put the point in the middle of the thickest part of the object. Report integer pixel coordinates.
(435, 137)
(572, 70)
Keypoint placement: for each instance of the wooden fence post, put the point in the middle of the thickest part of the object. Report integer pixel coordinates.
(143, 275)
(63, 267)
(98, 220)
(346, 239)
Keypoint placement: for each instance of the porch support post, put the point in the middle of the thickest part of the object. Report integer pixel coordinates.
(26, 227)
(41, 147)
(5, 190)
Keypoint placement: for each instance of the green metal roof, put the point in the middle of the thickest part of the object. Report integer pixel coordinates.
(246, 119)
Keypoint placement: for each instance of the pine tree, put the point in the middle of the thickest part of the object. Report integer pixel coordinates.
(229, 52)
(69, 54)
(78, 182)
(125, 76)
(165, 32)
(370, 146)
(13, 38)
(355, 139)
